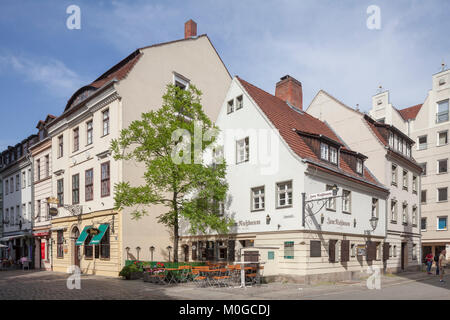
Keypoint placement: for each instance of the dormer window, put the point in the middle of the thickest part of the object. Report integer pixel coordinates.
(328, 153)
(324, 151)
(359, 166)
(333, 155)
(391, 139)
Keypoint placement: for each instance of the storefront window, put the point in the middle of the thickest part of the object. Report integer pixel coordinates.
(104, 245)
(88, 250)
(60, 244)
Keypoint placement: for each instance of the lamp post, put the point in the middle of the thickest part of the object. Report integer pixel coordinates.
(152, 248)
(168, 249)
(138, 249)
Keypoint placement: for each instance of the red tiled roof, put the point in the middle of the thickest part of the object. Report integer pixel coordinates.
(288, 121)
(410, 113)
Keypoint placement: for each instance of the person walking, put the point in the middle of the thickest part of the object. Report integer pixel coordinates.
(436, 262)
(442, 265)
(429, 262)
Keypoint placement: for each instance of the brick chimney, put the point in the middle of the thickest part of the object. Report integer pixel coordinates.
(190, 29)
(290, 90)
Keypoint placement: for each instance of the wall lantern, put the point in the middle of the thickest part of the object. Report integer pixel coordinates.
(268, 219)
(373, 222)
(152, 248)
(335, 190)
(322, 218)
(354, 223)
(168, 249)
(138, 249)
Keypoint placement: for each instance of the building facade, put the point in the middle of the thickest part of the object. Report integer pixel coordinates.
(428, 125)
(275, 152)
(389, 153)
(87, 231)
(16, 174)
(42, 191)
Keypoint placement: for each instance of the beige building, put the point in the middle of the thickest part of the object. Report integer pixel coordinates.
(390, 159)
(428, 125)
(42, 190)
(88, 231)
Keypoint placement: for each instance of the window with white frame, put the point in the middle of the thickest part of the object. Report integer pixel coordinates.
(331, 202)
(89, 132)
(60, 146)
(17, 182)
(105, 115)
(242, 150)
(423, 165)
(442, 111)
(422, 142)
(414, 184)
(442, 138)
(284, 194)
(375, 209)
(442, 194)
(324, 150)
(359, 166)
(405, 179)
(405, 213)
(230, 106)
(180, 81)
(333, 155)
(391, 140)
(239, 102)
(394, 211)
(394, 174)
(258, 200)
(24, 179)
(442, 223)
(346, 201)
(442, 166)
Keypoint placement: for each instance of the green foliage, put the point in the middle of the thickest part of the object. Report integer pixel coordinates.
(190, 189)
(127, 270)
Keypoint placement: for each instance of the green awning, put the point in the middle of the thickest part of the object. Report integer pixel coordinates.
(98, 237)
(83, 236)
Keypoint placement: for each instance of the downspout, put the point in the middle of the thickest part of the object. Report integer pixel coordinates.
(31, 161)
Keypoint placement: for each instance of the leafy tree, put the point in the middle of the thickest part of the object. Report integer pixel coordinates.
(175, 175)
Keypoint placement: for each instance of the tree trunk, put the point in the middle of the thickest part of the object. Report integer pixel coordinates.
(175, 230)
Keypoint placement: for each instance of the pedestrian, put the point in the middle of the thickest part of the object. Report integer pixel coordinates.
(429, 262)
(436, 262)
(442, 264)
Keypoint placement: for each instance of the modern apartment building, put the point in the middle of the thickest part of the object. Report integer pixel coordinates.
(390, 159)
(42, 191)
(16, 174)
(428, 125)
(276, 153)
(87, 231)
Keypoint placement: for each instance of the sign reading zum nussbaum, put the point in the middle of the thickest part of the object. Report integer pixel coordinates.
(320, 195)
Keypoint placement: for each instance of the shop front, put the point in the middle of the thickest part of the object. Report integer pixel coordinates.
(42, 251)
(18, 246)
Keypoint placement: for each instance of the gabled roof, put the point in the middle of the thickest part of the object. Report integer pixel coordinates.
(292, 122)
(410, 113)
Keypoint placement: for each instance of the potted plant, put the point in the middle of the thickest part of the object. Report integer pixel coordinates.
(131, 272)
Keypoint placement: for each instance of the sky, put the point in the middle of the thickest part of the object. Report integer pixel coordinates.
(324, 44)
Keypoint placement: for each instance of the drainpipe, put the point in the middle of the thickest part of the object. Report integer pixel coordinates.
(31, 214)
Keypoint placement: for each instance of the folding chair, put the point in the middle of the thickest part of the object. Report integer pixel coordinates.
(198, 278)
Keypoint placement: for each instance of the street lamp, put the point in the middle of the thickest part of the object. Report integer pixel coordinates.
(168, 249)
(138, 249)
(152, 248)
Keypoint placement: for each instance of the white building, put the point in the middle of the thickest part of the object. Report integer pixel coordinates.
(275, 152)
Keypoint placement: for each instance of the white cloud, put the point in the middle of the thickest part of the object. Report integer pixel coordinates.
(50, 73)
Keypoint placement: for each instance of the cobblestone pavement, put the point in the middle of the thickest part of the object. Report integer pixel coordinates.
(17, 285)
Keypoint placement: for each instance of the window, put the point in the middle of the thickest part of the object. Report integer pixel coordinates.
(324, 151)
(47, 166)
(76, 189)
(17, 182)
(12, 216)
(242, 150)
(89, 184)
(289, 249)
(394, 174)
(442, 194)
(405, 180)
(76, 139)
(346, 201)
(270, 255)
(333, 155)
(442, 138)
(405, 213)
(375, 209)
(105, 246)
(89, 131)
(423, 196)
(7, 217)
(24, 179)
(359, 166)
(258, 202)
(442, 223)
(11, 184)
(105, 183)
(414, 215)
(38, 209)
(60, 192)
(6, 186)
(331, 202)
(60, 244)
(88, 249)
(38, 169)
(422, 143)
(391, 140)
(442, 111)
(414, 184)
(284, 194)
(423, 224)
(394, 211)
(424, 168)
(230, 106)
(24, 212)
(105, 122)
(60, 146)
(180, 81)
(442, 166)
(239, 102)
(29, 177)
(18, 214)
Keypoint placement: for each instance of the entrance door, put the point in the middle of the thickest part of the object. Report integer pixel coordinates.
(403, 255)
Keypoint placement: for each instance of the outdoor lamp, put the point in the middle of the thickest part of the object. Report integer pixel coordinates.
(354, 223)
(322, 218)
(373, 222)
(137, 251)
(152, 248)
(268, 219)
(335, 190)
(168, 249)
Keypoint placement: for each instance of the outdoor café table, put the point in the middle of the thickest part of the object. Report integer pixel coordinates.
(243, 268)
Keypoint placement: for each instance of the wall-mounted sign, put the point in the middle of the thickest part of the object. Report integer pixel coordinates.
(53, 211)
(246, 223)
(93, 231)
(320, 195)
(338, 222)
